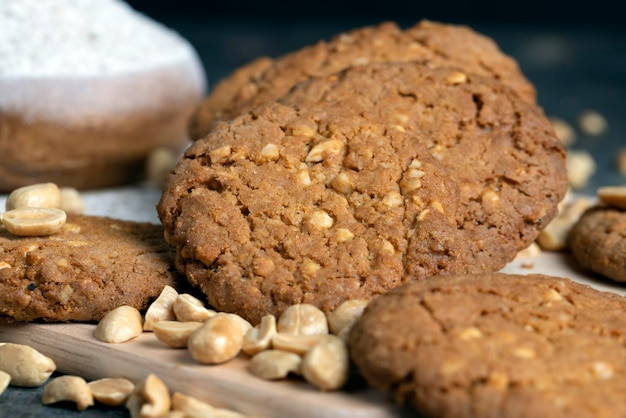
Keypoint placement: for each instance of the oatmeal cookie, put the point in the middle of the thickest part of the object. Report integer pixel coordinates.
(598, 241)
(284, 206)
(436, 44)
(502, 151)
(496, 345)
(93, 265)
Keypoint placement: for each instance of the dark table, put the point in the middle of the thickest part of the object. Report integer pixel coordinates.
(574, 66)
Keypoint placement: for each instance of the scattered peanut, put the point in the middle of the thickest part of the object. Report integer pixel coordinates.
(563, 130)
(33, 222)
(274, 364)
(40, 195)
(302, 319)
(5, 379)
(345, 314)
(71, 201)
(111, 391)
(188, 308)
(298, 344)
(218, 339)
(592, 123)
(158, 164)
(613, 195)
(554, 236)
(259, 338)
(68, 388)
(150, 399)
(175, 333)
(193, 407)
(326, 365)
(580, 168)
(26, 366)
(119, 325)
(162, 309)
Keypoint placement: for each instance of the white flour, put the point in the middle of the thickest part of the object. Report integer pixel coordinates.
(80, 37)
(72, 60)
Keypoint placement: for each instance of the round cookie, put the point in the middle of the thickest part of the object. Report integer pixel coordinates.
(283, 206)
(93, 265)
(496, 345)
(502, 151)
(437, 44)
(598, 241)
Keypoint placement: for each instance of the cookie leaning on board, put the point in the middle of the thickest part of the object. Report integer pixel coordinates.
(355, 183)
(435, 44)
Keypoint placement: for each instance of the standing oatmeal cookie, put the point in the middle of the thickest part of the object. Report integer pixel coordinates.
(93, 265)
(436, 44)
(496, 346)
(502, 151)
(283, 206)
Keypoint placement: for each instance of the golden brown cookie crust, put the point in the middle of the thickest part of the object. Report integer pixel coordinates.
(500, 150)
(92, 266)
(283, 206)
(598, 242)
(437, 44)
(496, 345)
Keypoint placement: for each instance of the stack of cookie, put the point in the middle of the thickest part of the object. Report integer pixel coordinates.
(353, 166)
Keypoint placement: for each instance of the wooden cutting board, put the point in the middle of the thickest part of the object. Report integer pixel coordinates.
(76, 351)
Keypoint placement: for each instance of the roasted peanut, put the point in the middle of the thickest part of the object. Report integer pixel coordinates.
(326, 365)
(218, 339)
(68, 388)
(175, 333)
(188, 308)
(302, 319)
(259, 338)
(345, 314)
(71, 201)
(274, 364)
(162, 309)
(581, 166)
(26, 366)
(119, 325)
(33, 222)
(193, 407)
(150, 399)
(41, 195)
(554, 236)
(592, 123)
(159, 163)
(298, 344)
(5, 379)
(111, 391)
(563, 130)
(613, 195)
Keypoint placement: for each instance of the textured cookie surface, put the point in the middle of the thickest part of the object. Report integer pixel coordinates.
(92, 266)
(437, 44)
(502, 151)
(598, 242)
(283, 206)
(496, 346)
